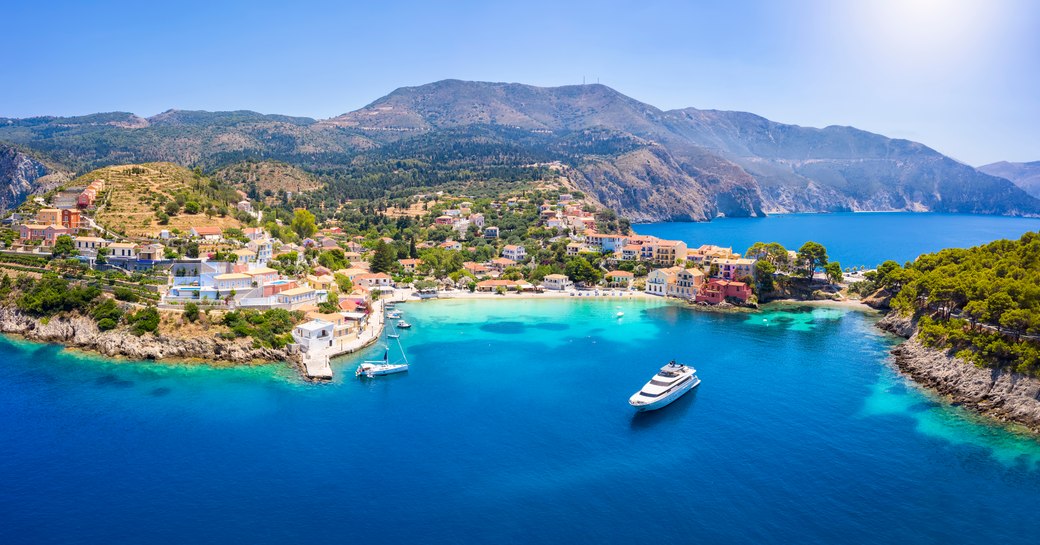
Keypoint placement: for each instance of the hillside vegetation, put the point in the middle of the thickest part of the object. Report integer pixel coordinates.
(982, 302)
(266, 180)
(141, 200)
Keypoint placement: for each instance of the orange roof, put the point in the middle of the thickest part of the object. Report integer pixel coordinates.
(620, 273)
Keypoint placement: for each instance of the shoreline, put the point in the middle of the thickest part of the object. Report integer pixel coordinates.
(1001, 395)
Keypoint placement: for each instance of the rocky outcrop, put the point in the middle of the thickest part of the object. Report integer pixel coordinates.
(18, 176)
(81, 332)
(897, 324)
(1003, 395)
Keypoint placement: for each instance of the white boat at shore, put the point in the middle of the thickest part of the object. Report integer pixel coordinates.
(394, 314)
(669, 384)
(403, 324)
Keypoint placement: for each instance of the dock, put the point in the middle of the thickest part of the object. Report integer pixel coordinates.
(316, 365)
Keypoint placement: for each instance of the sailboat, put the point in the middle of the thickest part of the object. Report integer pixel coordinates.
(378, 368)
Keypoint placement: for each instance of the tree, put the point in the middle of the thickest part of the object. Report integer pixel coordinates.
(343, 282)
(192, 207)
(811, 256)
(579, 270)
(192, 250)
(331, 303)
(191, 312)
(997, 304)
(384, 258)
(764, 274)
(63, 247)
(713, 270)
(172, 208)
(303, 223)
(834, 274)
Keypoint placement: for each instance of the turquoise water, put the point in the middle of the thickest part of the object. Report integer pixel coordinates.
(513, 427)
(853, 239)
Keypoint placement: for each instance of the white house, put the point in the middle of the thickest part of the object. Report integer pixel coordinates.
(208, 232)
(263, 248)
(491, 232)
(89, 245)
(314, 335)
(556, 282)
(658, 280)
(232, 281)
(514, 252)
(126, 250)
(297, 297)
(374, 280)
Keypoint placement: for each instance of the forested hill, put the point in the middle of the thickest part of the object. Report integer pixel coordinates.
(982, 302)
(646, 163)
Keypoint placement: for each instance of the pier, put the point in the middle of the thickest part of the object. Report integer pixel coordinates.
(315, 364)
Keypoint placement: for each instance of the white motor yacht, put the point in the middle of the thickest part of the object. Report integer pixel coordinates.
(394, 314)
(403, 324)
(669, 384)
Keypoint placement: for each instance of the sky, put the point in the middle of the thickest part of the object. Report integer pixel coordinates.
(961, 76)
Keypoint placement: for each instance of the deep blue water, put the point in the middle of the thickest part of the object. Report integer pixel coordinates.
(853, 239)
(513, 427)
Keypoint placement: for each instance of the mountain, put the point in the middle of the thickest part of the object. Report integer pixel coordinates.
(1024, 175)
(646, 163)
(696, 164)
(21, 176)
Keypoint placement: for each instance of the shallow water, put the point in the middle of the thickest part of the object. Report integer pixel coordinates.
(513, 426)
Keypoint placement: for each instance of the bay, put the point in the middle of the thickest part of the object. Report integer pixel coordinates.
(513, 426)
(852, 238)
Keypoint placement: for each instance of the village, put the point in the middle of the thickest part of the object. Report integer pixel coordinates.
(337, 279)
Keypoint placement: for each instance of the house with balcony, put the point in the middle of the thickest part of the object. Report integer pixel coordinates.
(715, 291)
(606, 242)
(557, 282)
(491, 232)
(735, 269)
(314, 336)
(515, 252)
(89, 246)
(659, 280)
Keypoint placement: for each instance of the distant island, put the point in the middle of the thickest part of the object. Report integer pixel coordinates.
(644, 163)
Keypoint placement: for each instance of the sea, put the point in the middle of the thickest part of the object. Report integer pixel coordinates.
(512, 426)
(854, 239)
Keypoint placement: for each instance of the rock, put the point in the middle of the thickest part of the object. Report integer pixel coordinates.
(82, 332)
(1000, 394)
(897, 324)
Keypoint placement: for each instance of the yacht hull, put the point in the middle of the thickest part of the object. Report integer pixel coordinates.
(668, 399)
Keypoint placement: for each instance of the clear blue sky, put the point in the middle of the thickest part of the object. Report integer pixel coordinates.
(959, 75)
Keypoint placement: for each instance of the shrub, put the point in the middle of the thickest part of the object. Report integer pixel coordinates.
(191, 312)
(125, 294)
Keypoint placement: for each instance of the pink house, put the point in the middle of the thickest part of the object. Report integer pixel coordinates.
(716, 291)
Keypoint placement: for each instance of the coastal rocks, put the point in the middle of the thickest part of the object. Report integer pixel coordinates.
(1003, 395)
(897, 324)
(81, 332)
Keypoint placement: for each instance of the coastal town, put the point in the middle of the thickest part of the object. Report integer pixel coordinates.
(334, 277)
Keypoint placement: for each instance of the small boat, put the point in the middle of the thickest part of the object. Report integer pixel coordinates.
(403, 324)
(394, 314)
(620, 314)
(669, 384)
(393, 336)
(378, 368)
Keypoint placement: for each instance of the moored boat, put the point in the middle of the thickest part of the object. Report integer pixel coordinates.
(378, 368)
(403, 324)
(669, 384)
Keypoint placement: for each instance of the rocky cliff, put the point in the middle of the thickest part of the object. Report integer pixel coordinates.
(1000, 394)
(19, 176)
(81, 332)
